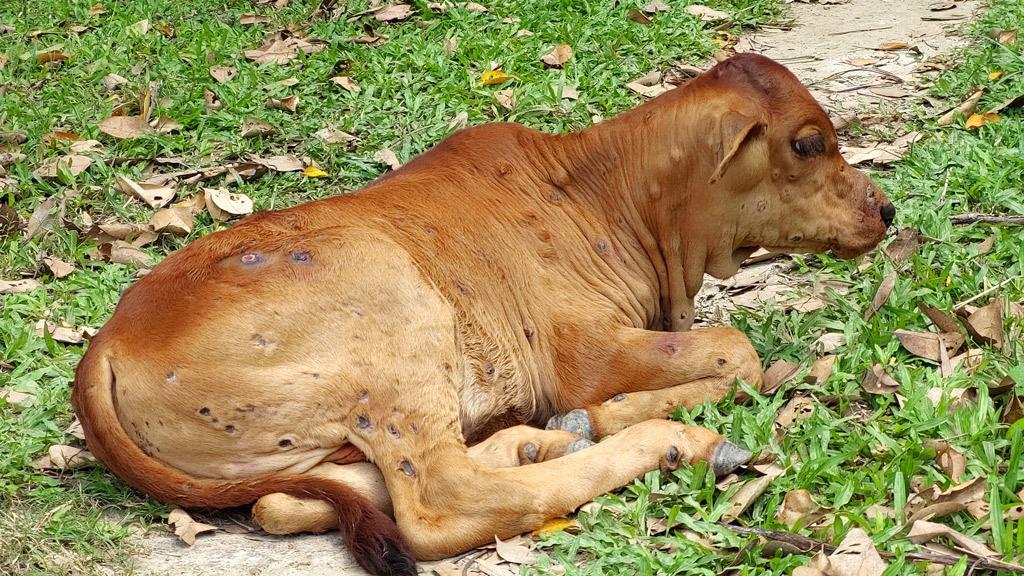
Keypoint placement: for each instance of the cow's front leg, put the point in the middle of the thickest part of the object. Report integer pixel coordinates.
(651, 374)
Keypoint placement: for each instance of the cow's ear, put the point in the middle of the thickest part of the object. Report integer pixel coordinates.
(736, 130)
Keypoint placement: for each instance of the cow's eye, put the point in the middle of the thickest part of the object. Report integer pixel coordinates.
(809, 145)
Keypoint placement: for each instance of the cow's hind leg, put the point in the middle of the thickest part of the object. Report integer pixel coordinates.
(283, 514)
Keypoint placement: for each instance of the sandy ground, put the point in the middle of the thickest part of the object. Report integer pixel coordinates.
(818, 48)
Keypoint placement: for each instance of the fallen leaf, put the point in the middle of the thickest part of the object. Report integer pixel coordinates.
(155, 196)
(64, 334)
(557, 525)
(986, 245)
(995, 74)
(943, 321)
(778, 374)
(165, 125)
(877, 381)
(558, 56)
(139, 28)
(113, 81)
(862, 61)
(285, 163)
(175, 220)
(289, 104)
(638, 17)
(58, 267)
(86, 146)
(44, 216)
(252, 127)
(313, 172)
(796, 506)
(890, 46)
(281, 49)
(965, 493)
(514, 550)
(492, 77)
(655, 7)
(707, 14)
(966, 108)
(1004, 37)
(19, 286)
(347, 83)
(904, 246)
(474, 7)
(16, 398)
(75, 429)
(923, 531)
(450, 45)
(504, 97)
(250, 19)
(890, 92)
(1014, 410)
(745, 496)
(211, 101)
(124, 127)
(797, 409)
(523, 34)
(569, 93)
(881, 295)
(985, 325)
(223, 74)
(820, 370)
(185, 527)
(940, 6)
(74, 164)
(393, 13)
(386, 156)
(62, 457)
(121, 252)
(331, 135)
(950, 460)
(926, 344)
(828, 342)
(979, 120)
(48, 55)
(222, 204)
(856, 555)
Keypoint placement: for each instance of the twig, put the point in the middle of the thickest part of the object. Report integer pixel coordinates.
(885, 73)
(975, 217)
(985, 292)
(858, 30)
(806, 544)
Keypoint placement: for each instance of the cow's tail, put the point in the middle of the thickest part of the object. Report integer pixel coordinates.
(371, 535)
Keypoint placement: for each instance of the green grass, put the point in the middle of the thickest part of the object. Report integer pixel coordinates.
(864, 450)
(411, 92)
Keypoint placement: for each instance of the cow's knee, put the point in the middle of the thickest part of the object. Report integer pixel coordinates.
(283, 514)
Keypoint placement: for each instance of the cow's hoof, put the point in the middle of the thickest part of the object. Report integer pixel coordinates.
(576, 422)
(577, 445)
(529, 453)
(727, 457)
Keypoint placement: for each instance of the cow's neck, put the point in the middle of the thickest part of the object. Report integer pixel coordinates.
(647, 170)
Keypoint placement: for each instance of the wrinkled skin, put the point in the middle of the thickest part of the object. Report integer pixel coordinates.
(435, 321)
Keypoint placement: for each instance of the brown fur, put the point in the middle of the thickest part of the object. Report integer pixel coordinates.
(500, 279)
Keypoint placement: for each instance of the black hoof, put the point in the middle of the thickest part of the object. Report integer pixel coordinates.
(728, 457)
(576, 422)
(577, 445)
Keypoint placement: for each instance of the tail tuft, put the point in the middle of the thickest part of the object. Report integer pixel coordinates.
(377, 546)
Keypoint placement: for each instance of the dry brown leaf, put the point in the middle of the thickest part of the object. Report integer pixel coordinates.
(505, 99)
(707, 14)
(19, 286)
(745, 496)
(121, 252)
(856, 555)
(176, 220)
(386, 156)
(48, 55)
(223, 74)
(474, 7)
(393, 13)
(778, 374)
(113, 81)
(1014, 410)
(211, 101)
(84, 146)
(797, 409)
(923, 531)
(74, 164)
(943, 321)
(155, 196)
(820, 370)
(881, 295)
(58, 267)
(890, 46)
(569, 93)
(65, 334)
(289, 104)
(877, 381)
(952, 462)
(638, 17)
(44, 217)
(862, 61)
(280, 48)
(250, 19)
(75, 429)
(185, 527)
(62, 457)
(656, 6)
(222, 204)
(450, 46)
(1004, 37)
(252, 127)
(347, 83)
(965, 493)
(558, 56)
(124, 127)
(828, 342)
(796, 506)
(16, 398)
(331, 135)
(927, 344)
(986, 324)
(966, 108)
(515, 550)
(904, 246)
(285, 163)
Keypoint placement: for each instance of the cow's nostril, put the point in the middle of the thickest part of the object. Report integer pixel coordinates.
(888, 213)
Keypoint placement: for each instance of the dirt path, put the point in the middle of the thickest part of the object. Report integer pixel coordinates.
(819, 47)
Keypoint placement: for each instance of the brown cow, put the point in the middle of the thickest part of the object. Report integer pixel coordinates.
(505, 278)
